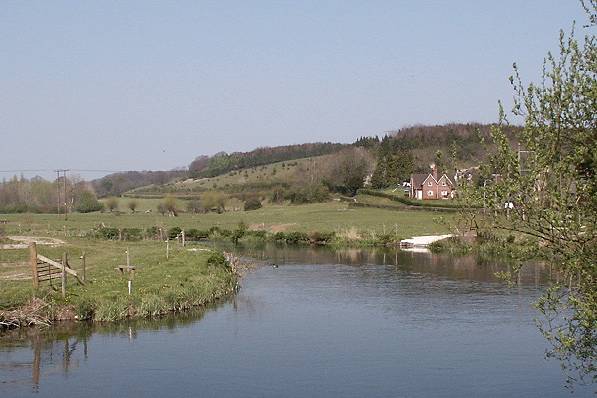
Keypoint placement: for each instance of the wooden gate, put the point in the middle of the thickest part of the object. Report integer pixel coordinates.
(44, 269)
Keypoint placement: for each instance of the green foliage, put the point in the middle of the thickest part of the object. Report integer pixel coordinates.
(196, 234)
(312, 193)
(551, 181)
(132, 205)
(217, 259)
(112, 203)
(174, 232)
(394, 165)
(321, 238)
(87, 203)
(252, 204)
(239, 232)
(195, 206)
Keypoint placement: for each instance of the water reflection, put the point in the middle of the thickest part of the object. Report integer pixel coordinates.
(480, 269)
(64, 346)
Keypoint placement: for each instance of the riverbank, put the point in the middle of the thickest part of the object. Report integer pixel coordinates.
(160, 285)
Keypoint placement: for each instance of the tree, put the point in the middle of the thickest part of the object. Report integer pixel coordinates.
(348, 170)
(112, 203)
(551, 181)
(252, 204)
(194, 206)
(170, 205)
(87, 202)
(214, 200)
(133, 204)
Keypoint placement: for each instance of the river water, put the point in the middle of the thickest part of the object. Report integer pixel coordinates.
(349, 323)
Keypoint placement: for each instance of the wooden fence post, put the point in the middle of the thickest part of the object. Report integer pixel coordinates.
(33, 262)
(167, 249)
(84, 265)
(183, 237)
(63, 276)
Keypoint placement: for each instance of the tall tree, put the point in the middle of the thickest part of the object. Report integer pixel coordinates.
(551, 181)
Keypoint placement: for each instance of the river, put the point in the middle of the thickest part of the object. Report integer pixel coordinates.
(347, 323)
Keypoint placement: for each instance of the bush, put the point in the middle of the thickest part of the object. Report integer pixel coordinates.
(132, 234)
(108, 233)
(321, 238)
(196, 234)
(152, 232)
(174, 232)
(87, 203)
(280, 237)
(309, 194)
(297, 237)
(194, 206)
(217, 259)
(260, 234)
(112, 203)
(252, 204)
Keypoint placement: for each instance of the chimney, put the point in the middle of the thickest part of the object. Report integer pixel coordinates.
(433, 171)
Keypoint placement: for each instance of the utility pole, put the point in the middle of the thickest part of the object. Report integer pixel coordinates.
(65, 194)
(58, 191)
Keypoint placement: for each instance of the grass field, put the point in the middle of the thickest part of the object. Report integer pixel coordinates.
(322, 217)
(159, 285)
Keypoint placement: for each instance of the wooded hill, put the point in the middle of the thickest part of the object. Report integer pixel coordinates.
(455, 145)
(221, 163)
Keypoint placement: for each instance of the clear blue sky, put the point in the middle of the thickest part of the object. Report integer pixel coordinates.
(151, 85)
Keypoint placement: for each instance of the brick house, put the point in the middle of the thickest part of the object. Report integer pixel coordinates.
(430, 187)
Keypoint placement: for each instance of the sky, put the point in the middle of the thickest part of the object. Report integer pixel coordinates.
(138, 85)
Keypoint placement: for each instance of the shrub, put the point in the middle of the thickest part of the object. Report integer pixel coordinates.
(132, 205)
(87, 203)
(260, 234)
(152, 232)
(196, 234)
(132, 234)
(174, 232)
(109, 233)
(217, 259)
(252, 204)
(112, 203)
(297, 237)
(194, 206)
(280, 237)
(321, 238)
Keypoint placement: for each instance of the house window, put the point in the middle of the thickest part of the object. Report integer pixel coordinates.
(429, 193)
(443, 183)
(444, 194)
(429, 183)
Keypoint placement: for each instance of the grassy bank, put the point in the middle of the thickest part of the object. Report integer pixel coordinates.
(187, 279)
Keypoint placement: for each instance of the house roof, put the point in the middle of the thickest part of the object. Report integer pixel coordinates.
(446, 177)
(418, 179)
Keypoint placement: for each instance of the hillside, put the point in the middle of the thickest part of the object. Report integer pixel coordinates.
(455, 145)
(253, 179)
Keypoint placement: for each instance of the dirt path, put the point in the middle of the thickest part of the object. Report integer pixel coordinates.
(24, 242)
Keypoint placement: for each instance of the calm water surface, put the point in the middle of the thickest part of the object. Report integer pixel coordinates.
(350, 323)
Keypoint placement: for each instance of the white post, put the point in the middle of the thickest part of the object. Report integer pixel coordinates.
(130, 286)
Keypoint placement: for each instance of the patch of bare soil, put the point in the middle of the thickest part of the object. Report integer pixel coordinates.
(272, 228)
(24, 242)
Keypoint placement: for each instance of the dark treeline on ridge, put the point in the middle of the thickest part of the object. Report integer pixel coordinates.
(118, 183)
(221, 163)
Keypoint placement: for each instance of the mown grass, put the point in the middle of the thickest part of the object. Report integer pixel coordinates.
(160, 286)
(322, 217)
